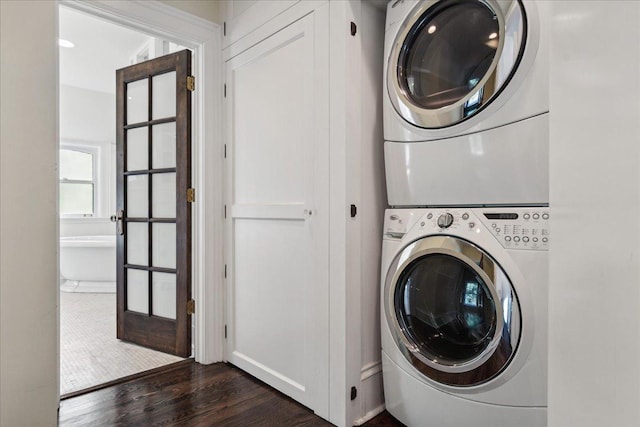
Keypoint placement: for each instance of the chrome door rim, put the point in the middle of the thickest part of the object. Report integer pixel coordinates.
(452, 114)
(470, 255)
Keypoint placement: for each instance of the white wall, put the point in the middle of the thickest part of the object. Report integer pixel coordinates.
(28, 225)
(594, 336)
(206, 9)
(88, 117)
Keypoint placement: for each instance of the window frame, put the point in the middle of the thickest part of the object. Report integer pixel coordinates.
(95, 153)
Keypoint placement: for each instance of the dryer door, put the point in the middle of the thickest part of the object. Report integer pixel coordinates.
(452, 311)
(451, 58)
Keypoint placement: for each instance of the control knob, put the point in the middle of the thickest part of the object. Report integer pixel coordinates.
(445, 220)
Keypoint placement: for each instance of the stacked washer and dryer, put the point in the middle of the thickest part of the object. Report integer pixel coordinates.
(464, 258)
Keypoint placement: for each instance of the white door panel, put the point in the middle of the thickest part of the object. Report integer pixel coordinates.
(271, 285)
(277, 216)
(271, 144)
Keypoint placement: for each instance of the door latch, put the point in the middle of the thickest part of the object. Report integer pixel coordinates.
(119, 220)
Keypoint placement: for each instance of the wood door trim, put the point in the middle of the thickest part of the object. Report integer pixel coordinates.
(150, 123)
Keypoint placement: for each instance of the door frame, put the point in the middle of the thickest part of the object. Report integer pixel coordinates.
(204, 38)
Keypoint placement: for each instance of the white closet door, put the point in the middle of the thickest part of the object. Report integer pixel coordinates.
(277, 163)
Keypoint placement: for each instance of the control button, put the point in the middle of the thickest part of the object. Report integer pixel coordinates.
(526, 216)
(472, 224)
(507, 238)
(422, 224)
(545, 240)
(536, 216)
(535, 239)
(545, 216)
(465, 216)
(493, 225)
(394, 217)
(516, 239)
(445, 220)
(429, 215)
(525, 239)
(497, 230)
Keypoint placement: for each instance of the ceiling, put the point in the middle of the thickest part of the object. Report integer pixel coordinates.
(100, 49)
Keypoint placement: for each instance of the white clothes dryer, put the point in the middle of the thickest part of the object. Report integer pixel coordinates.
(464, 316)
(466, 102)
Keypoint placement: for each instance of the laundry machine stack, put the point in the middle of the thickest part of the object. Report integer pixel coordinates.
(464, 264)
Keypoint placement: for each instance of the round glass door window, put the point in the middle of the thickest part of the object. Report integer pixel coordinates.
(449, 59)
(446, 309)
(452, 311)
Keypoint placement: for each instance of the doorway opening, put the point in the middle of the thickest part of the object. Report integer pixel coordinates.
(91, 50)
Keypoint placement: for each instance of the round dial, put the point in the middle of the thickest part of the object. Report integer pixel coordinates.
(445, 220)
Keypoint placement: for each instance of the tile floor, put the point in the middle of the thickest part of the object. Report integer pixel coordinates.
(90, 354)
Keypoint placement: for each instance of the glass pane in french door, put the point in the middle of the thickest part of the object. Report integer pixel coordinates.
(150, 188)
(163, 195)
(164, 146)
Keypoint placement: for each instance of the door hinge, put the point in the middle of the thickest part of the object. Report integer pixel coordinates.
(225, 271)
(225, 90)
(191, 306)
(354, 211)
(191, 195)
(224, 28)
(225, 211)
(225, 331)
(191, 83)
(354, 28)
(354, 393)
(225, 151)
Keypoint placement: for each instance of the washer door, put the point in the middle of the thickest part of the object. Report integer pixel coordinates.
(452, 311)
(451, 58)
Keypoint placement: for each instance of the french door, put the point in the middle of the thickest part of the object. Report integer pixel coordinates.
(154, 198)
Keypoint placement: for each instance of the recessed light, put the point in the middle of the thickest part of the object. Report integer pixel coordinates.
(493, 36)
(431, 29)
(65, 43)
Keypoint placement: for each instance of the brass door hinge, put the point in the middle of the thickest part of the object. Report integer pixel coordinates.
(191, 83)
(191, 306)
(191, 195)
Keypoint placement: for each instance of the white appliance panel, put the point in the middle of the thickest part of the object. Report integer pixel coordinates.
(508, 165)
(406, 398)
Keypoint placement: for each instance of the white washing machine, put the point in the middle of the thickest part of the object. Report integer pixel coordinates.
(464, 316)
(466, 102)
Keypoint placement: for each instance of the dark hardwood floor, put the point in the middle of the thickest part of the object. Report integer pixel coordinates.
(191, 394)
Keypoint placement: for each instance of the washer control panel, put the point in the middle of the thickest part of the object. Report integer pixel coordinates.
(520, 228)
(515, 228)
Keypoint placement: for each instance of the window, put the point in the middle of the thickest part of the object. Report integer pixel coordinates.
(77, 181)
